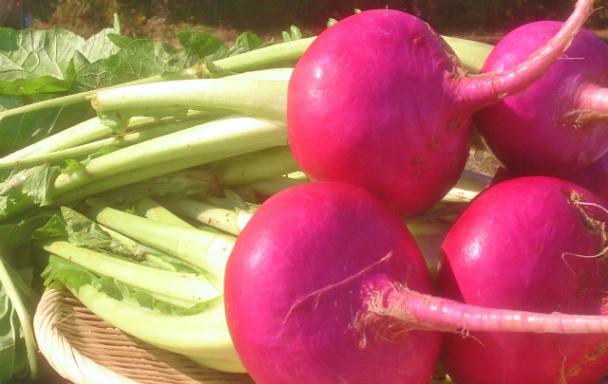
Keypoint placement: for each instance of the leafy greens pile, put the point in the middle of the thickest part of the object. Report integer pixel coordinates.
(98, 137)
(47, 78)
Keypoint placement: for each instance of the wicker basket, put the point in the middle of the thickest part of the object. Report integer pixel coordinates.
(85, 349)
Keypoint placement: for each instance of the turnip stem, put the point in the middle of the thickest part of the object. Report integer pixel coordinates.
(184, 289)
(271, 186)
(85, 96)
(207, 142)
(472, 54)
(153, 257)
(206, 250)
(124, 179)
(421, 311)
(110, 141)
(260, 98)
(258, 166)
(277, 74)
(230, 221)
(201, 335)
(591, 106)
(478, 90)
(152, 210)
(286, 52)
(80, 133)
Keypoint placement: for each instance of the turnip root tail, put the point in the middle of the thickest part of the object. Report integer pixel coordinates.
(484, 89)
(592, 104)
(414, 310)
(594, 226)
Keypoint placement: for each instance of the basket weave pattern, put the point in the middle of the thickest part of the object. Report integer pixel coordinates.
(85, 349)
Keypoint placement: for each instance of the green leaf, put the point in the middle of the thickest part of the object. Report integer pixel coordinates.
(83, 231)
(17, 234)
(27, 187)
(55, 227)
(245, 42)
(293, 34)
(12, 347)
(19, 130)
(99, 46)
(139, 59)
(69, 274)
(11, 101)
(17, 303)
(202, 44)
(71, 166)
(35, 61)
(42, 61)
(119, 41)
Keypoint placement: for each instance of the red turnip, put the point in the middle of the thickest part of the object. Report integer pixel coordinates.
(593, 178)
(531, 244)
(379, 100)
(326, 285)
(559, 124)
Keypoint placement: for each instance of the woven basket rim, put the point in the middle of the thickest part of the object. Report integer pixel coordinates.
(85, 349)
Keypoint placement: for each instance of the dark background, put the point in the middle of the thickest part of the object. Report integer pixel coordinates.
(161, 18)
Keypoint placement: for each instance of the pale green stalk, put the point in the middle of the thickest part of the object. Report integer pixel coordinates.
(123, 179)
(153, 257)
(206, 250)
(286, 52)
(80, 133)
(111, 140)
(261, 98)
(282, 74)
(179, 288)
(213, 141)
(257, 166)
(468, 186)
(227, 220)
(269, 187)
(203, 336)
(151, 209)
(203, 143)
(191, 73)
(472, 54)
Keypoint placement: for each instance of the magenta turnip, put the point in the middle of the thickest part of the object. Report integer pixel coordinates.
(593, 178)
(326, 285)
(379, 100)
(559, 125)
(530, 244)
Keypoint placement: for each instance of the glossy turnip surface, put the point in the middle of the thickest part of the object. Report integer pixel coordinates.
(325, 284)
(379, 100)
(293, 294)
(559, 124)
(364, 112)
(526, 244)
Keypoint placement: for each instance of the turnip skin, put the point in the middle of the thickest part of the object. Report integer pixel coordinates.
(340, 120)
(325, 284)
(516, 247)
(593, 178)
(314, 341)
(559, 124)
(379, 100)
